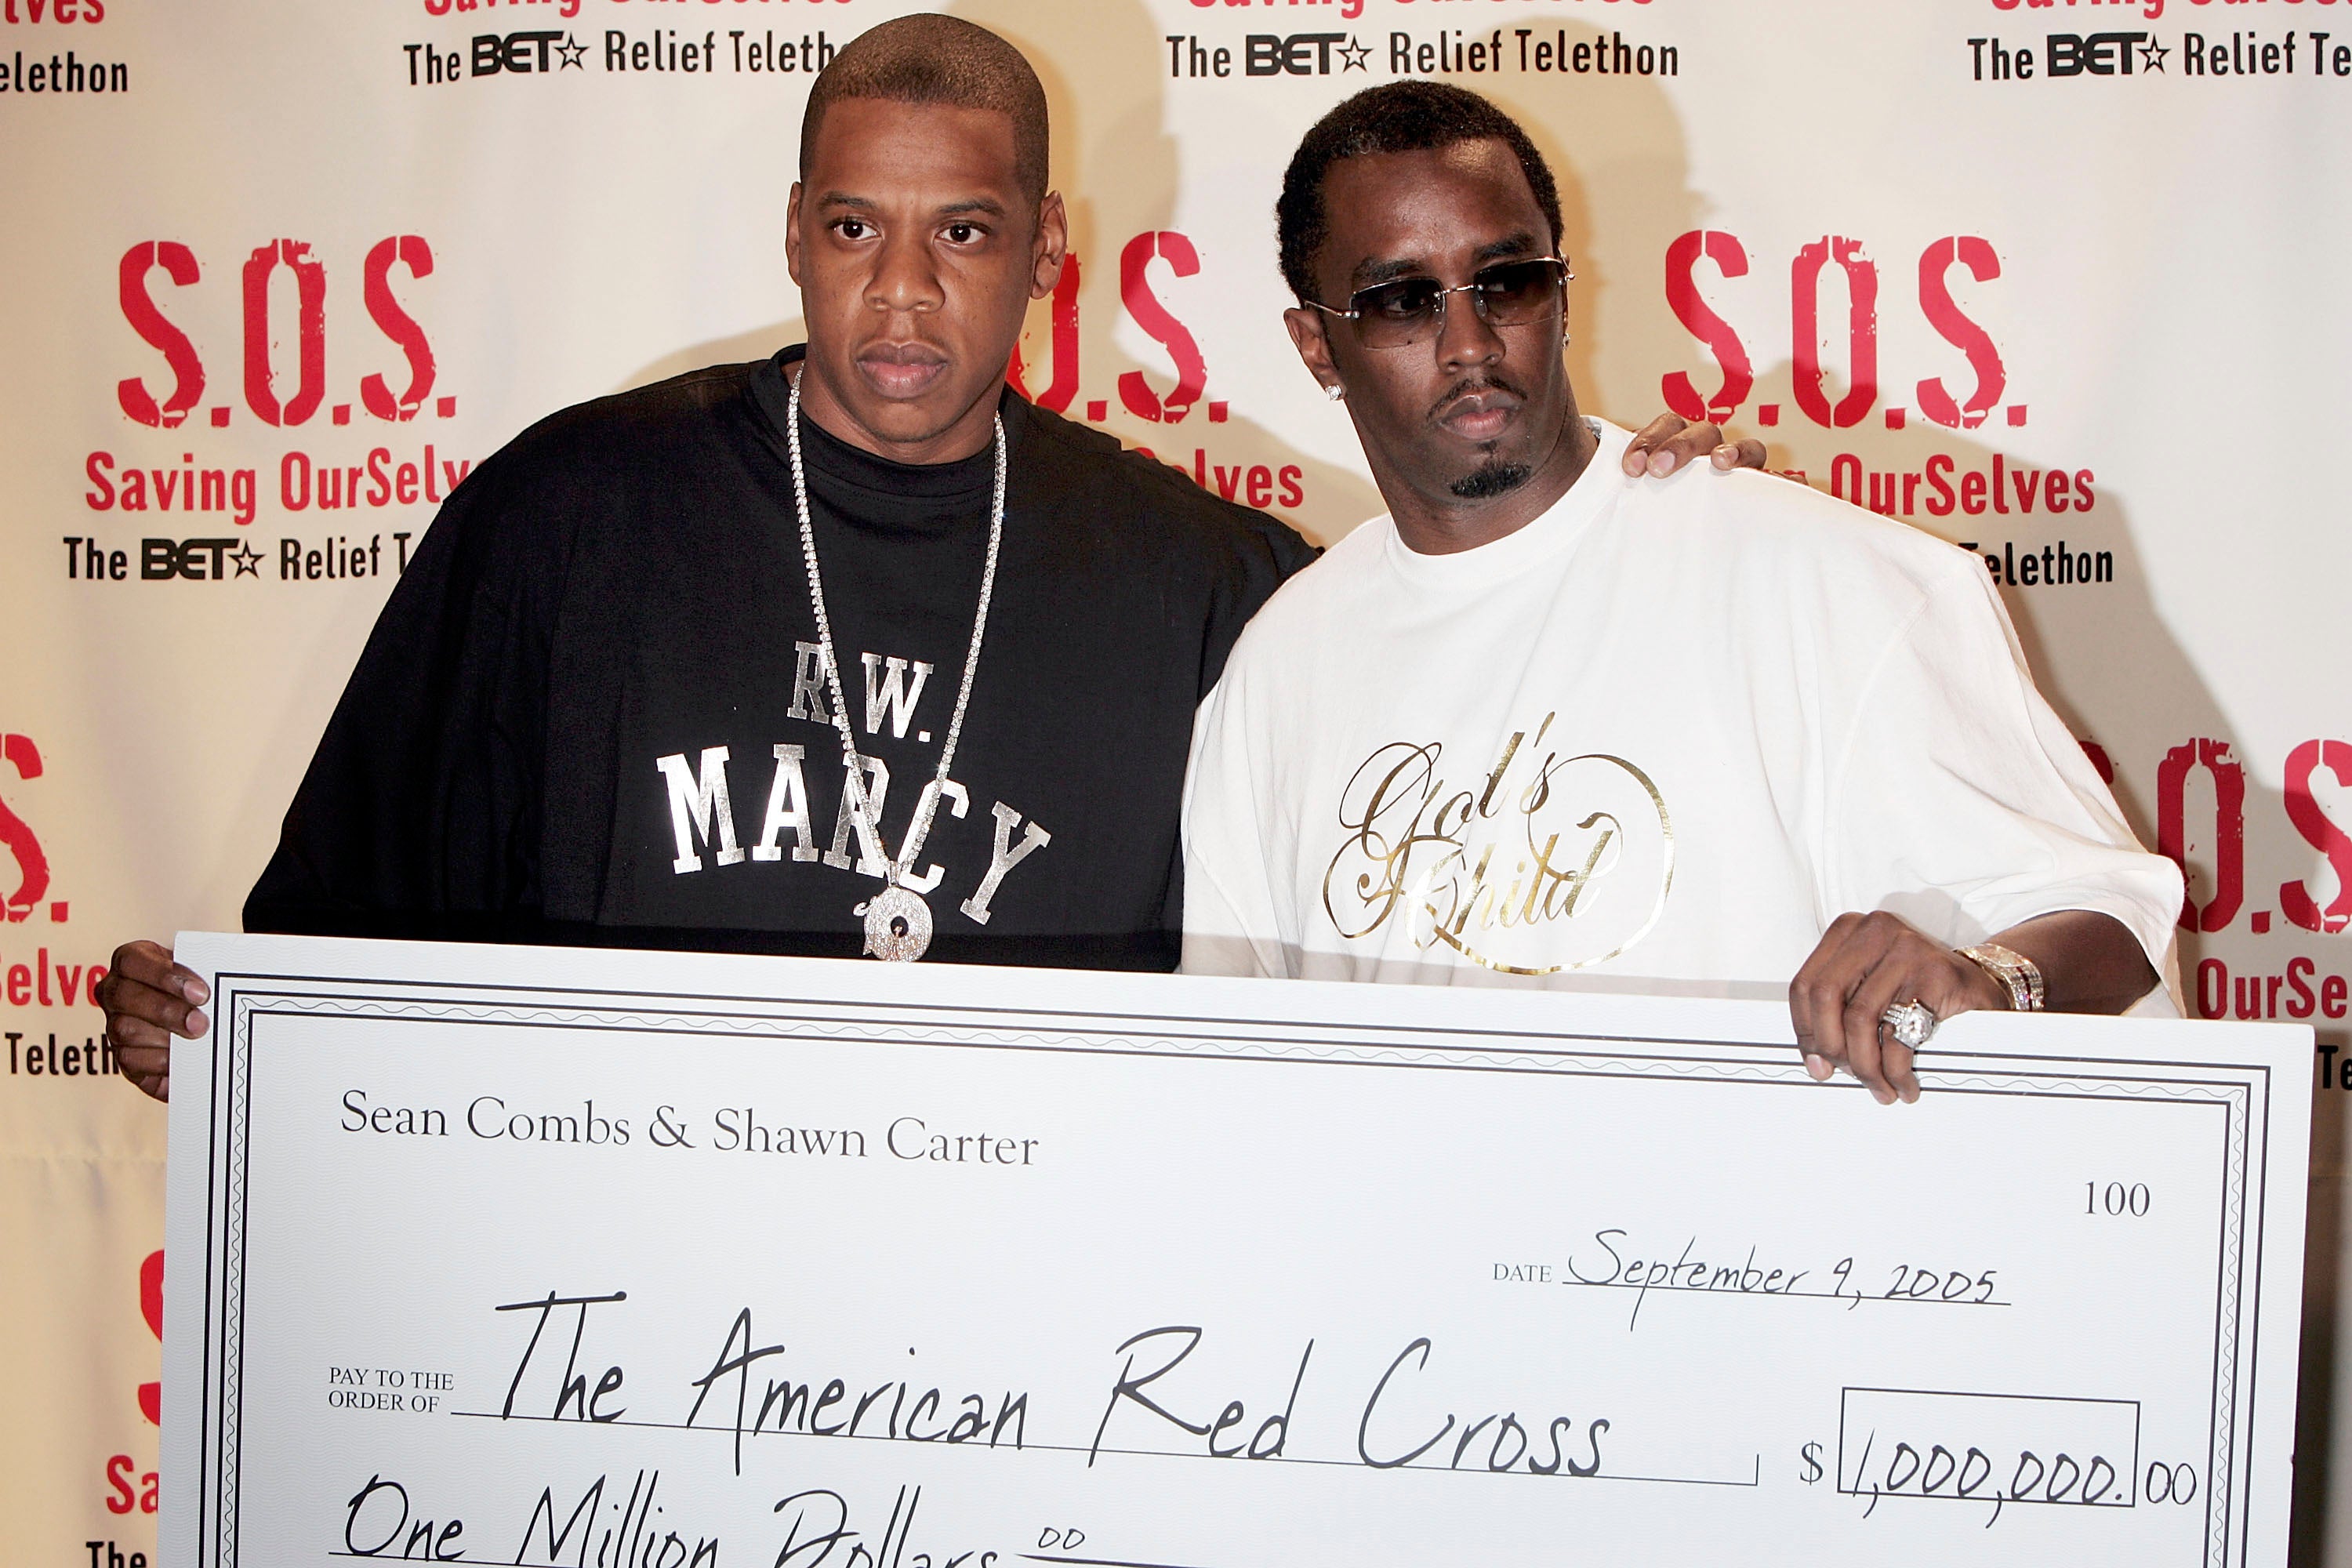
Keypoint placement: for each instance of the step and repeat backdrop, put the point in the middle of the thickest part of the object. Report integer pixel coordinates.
(2059, 281)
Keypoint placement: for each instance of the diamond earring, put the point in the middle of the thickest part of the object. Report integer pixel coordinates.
(1335, 392)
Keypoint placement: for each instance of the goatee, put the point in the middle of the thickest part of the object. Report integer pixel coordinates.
(1491, 479)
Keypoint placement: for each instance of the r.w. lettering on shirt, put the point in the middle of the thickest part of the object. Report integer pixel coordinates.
(1509, 869)
(809, 674)
(889, 693)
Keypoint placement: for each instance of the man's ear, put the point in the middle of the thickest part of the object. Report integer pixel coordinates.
(793, 233)
(1309, 336)
(1053, 246)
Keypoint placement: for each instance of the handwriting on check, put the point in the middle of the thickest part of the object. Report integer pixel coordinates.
(1614, 1259)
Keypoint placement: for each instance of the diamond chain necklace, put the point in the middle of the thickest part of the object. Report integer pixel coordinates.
(898, 921)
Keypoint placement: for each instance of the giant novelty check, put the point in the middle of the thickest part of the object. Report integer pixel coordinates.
(623, 1261)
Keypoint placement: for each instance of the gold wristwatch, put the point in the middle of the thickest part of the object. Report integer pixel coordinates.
(2019, 976)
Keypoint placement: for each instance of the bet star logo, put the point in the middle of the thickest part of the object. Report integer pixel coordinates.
(2151, 56)
(1355, 55)
(245, 558)
(573, 52)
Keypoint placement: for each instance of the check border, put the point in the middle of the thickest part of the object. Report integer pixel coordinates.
(2241, 1091)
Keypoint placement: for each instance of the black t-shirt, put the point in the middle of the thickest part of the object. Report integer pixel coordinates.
(593, 709)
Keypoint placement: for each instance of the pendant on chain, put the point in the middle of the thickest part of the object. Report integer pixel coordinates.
(898, 921)
(898, 925)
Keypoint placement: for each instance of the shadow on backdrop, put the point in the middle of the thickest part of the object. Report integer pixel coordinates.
(1119, 172)
(1620, 154)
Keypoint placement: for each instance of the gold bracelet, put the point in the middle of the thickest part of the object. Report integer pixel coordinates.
(2019, 976)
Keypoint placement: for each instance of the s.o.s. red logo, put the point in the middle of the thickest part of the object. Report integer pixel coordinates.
(1809, 382)
(276, 399)
(18, 838)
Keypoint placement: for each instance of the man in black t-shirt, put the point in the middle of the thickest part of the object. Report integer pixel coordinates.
(598, 706)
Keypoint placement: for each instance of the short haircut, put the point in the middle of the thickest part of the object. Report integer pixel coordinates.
(943, 60)
(1400, 117)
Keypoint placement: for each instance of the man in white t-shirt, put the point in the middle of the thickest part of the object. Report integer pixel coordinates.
(1542, 721)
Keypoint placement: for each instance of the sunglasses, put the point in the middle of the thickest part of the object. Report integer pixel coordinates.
(1413, 310)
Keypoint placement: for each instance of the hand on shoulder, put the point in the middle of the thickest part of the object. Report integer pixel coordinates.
(1669, 442)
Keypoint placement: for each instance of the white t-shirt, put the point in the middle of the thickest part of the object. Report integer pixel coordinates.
(1669, 730)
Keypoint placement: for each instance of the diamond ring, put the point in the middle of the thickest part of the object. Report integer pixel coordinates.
(1912, 1024)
